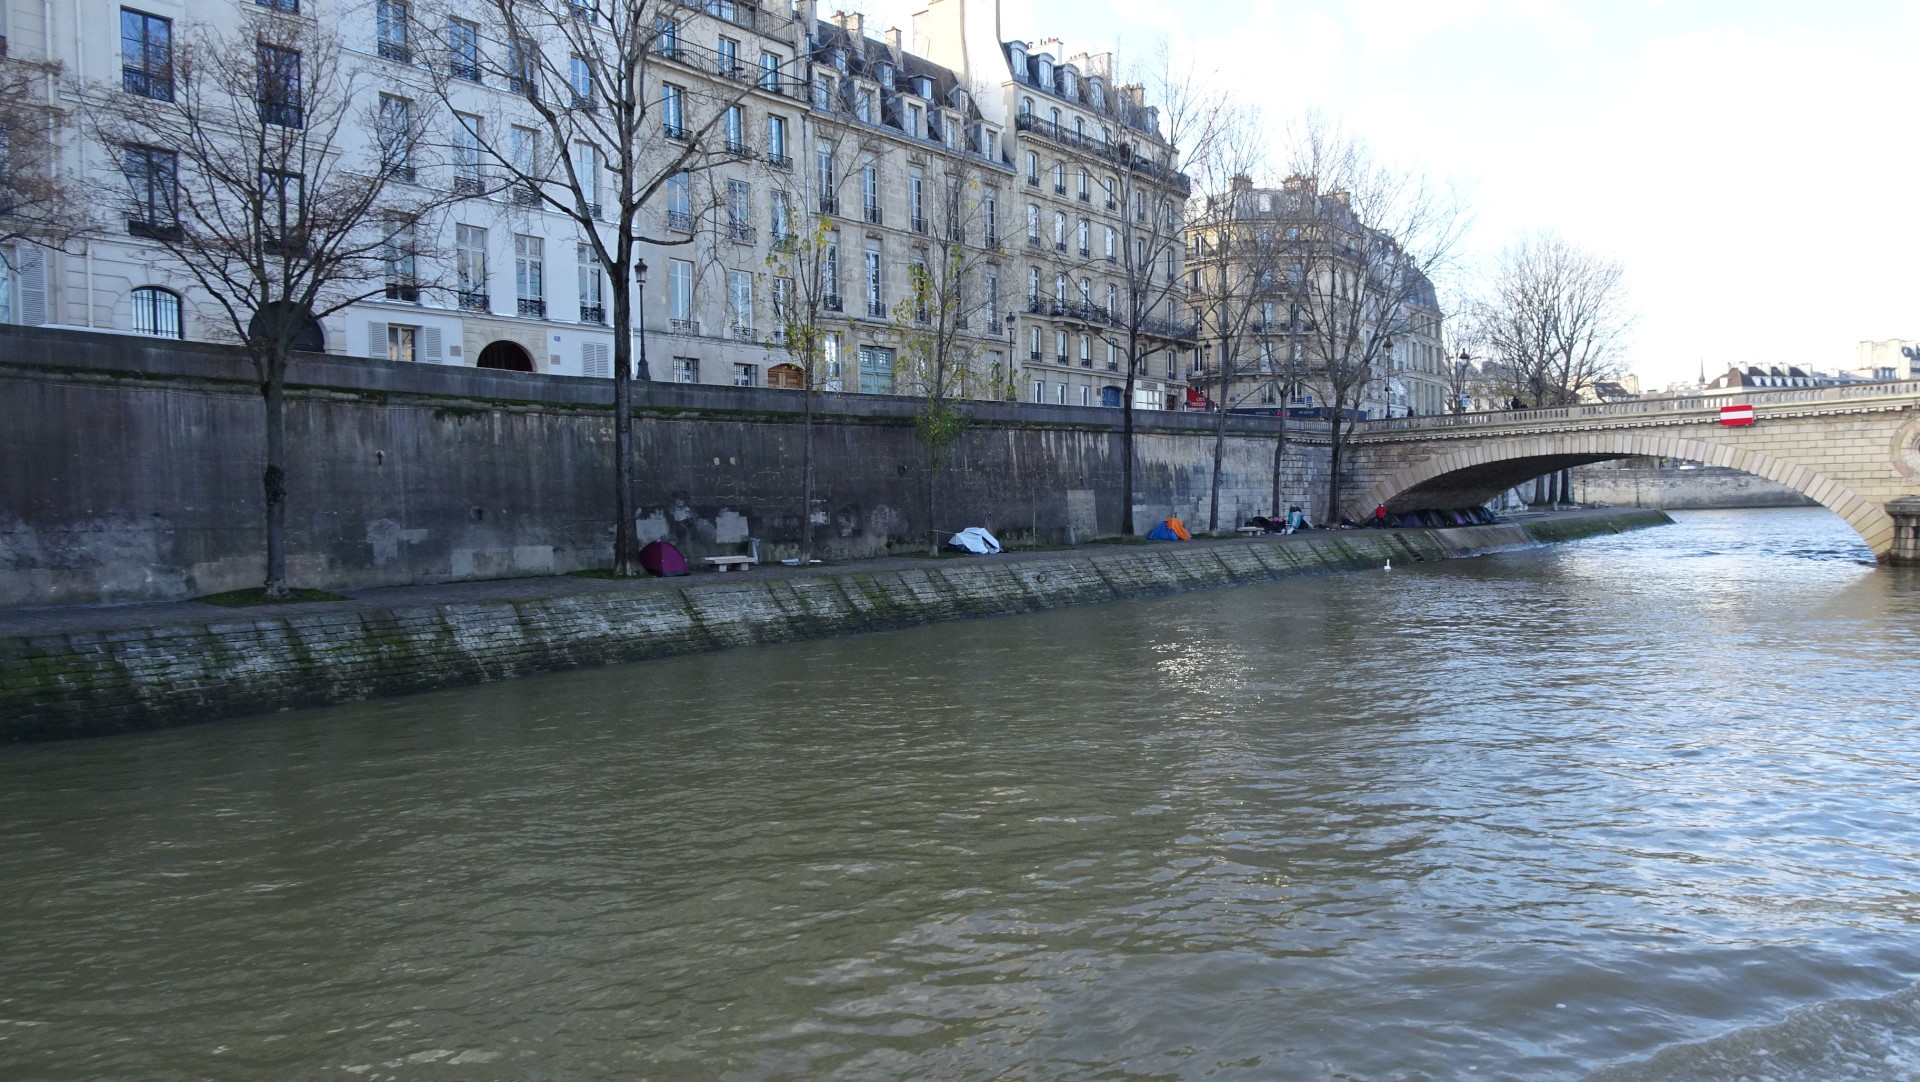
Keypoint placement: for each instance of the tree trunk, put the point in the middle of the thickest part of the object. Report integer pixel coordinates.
(1219, 454)
(933, 483)
(626, 539)
(273, 480)
(1279, 455)
(1126, 440)
(1333, 473)
(806, 476)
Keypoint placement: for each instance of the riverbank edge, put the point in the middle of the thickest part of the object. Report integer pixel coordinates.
(98, 683)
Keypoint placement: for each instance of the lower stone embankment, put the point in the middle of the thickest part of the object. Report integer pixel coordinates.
(113, 678)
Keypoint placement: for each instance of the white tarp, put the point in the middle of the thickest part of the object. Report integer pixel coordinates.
(975, 540)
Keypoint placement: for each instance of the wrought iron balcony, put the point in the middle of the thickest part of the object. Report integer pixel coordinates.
(472, 300)
(684, 326)
(593, 313)
(533, 307)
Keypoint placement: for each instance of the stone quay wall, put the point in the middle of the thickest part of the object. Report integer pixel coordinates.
(134, 464)
(102, 682)
(1681, 488)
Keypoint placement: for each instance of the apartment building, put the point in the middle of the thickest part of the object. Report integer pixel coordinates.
(1280, 274)
(967, 141)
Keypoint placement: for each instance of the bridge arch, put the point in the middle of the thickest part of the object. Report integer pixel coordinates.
(1483, 468)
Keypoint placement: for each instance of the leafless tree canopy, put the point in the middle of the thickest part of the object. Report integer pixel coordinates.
(1555, 321)
(38, 201)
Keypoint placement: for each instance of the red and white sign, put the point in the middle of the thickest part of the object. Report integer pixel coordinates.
(1736, 415)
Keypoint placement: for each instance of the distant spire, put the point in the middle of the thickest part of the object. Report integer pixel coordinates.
(1703, 370)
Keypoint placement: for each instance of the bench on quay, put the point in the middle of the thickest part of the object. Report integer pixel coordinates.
(729, 563)
(1250, 531)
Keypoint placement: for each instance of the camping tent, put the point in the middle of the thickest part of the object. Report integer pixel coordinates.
(975, 540)
(1169, 529)
(663, 559)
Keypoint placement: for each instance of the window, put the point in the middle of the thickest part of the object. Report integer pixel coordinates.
(1113, 358)
(1086, 352)
(1060, 347)
(277, 86)
(523, 150)
(672, 114)
(740, 304)
(740, 210)
(394, 127)
(823, 165)
(916, 201)
(1113, 298)
(666, 36)
(1039, 391)
(403, 343)
(823, 92)
(593, 305)
(993, 300)
(870, 192)
(1086, 292)
(529, 275)
(1033, 343)
(1086, 187)
(782, 299)
(1059, 232)
(863, 105)
(151, 177)
(1033, 286)
(680, 203)
(523, 60)
(146, 54)
(875, 306)
(463, 50)
(1059, 178)
(990, 212)
(1111, 202)
(1060, 291)
(280, 5)
(746, 375)
(580, 80)
(1083, 238)
(390, 21)
(777, 142)
(156, 312)
(914, 123)
(770, 72)
(686, 370)
(586, 173)
(735, 127)
(1112, 238)
(283, 204)
(729, 58)
(398, 252)
(1033, 224)
(1061, 391)
(470, 266)
(680, 292)
(467, 179)
(781, 216)
(1033, 168)
(1086, 396)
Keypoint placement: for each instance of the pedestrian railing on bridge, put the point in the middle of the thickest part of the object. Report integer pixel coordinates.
(1709, 404)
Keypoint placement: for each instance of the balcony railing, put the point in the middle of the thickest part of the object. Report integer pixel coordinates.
(1117, 153)
(739, 148)
(395, 51)
(780, 161)
(877, 309)
(404, 291)
(524, 196)
(741, 232)
(469, 185)
(593, 313)
(674, 131)
(680, 221)
(741, 332)
(829, 204)
(153, 229)
(684, 326)
(919, 224)
(831, 302)
(873, 214)
(472, 300)
(532, 307)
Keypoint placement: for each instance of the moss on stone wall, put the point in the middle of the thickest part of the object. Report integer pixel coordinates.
(96, 683)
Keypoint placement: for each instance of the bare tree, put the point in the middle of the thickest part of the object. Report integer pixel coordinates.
(941, 361)
(1234, 273)
(1556, 319)
(804, 269)
(38, 201)
(1361, 240)
(253, 171)
(612, 123)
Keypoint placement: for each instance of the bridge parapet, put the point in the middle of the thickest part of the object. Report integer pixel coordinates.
(1849, 398)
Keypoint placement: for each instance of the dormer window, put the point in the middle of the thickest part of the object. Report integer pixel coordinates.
(883, 74)
(923, 86)
(840, 59)
(1067, 82)
(1045, 77)
(1017, 60)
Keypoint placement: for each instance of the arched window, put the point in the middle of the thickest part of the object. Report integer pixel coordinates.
(1054, 115)
(156, 311)
(1026, 106)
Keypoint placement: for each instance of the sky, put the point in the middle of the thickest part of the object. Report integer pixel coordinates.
(1753, 164)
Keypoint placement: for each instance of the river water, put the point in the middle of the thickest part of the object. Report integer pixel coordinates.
(1632, 808)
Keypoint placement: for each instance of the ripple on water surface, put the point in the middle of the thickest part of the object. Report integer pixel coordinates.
(1636, 806)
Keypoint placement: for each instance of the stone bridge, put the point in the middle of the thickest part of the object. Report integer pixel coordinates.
(1855, 449)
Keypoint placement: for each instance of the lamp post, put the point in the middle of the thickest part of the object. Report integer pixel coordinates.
(640, 302)
(1012, 390)
(1460, 368)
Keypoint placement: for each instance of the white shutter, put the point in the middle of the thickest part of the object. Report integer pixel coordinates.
(595, 360)
(430, 345)
(377, 341)
(33, 285)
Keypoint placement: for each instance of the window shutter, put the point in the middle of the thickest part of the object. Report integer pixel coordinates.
(33, 285)
(377, 341)
(430, 345)
(596, 360)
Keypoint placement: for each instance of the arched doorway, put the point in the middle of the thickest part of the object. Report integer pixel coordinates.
(786, 376)
(271, 316)
(504, 354)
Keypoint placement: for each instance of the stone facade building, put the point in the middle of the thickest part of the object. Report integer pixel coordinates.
(1271, 267)
(1057, 184)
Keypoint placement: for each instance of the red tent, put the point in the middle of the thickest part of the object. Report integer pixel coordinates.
(663, 559)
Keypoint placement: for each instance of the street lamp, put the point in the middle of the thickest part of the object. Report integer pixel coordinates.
(1460, 381)
(640, 268)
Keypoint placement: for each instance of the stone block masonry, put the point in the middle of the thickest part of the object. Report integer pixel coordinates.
(93, 682)
(133, 471)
